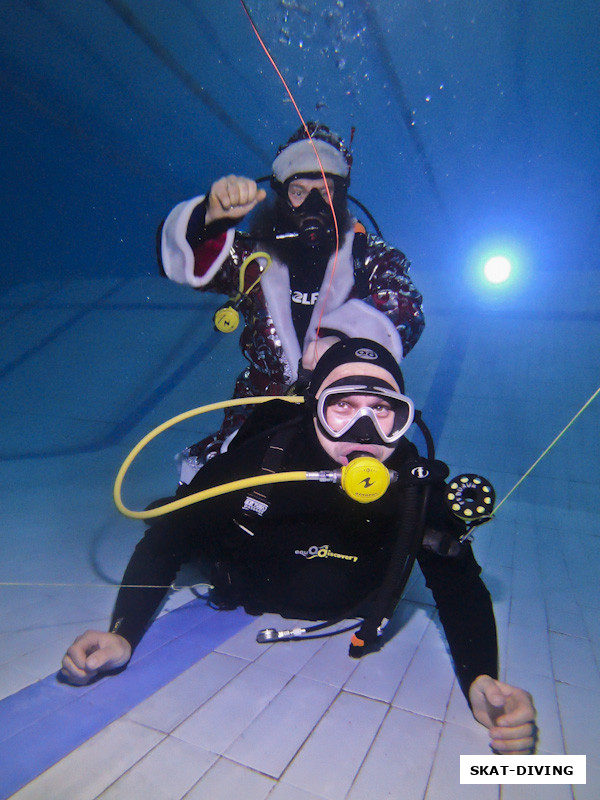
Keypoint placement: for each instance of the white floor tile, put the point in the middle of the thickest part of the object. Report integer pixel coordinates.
(273, 739)
(426, 686)
(399, 761)
(580, 711)
(560, 599)
(18, 643)
(228, 780)
(43, 661)
(12, 680)
(528, 611)
(244, 645)
(567, 622)
(284, 791)
(574, 661)
(290, 657)
(170, 706)
(527, 583)
(529, 649)
(592, 623)
(444, 783)
(95, 765)
(591, 788)
(330, 759)
(228, 713)
(168, 772)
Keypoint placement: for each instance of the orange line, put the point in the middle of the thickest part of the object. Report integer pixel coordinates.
(329, 198)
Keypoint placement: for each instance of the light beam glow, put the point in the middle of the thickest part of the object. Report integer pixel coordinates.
(497, 269)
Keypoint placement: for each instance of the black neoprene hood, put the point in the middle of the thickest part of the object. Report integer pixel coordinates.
(354, 351)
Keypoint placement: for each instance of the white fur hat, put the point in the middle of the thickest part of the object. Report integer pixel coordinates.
(298, 155)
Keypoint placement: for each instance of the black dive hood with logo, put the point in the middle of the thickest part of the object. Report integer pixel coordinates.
(353, 351)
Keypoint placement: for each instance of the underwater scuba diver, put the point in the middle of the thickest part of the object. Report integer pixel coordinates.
(307, 550)
(302, 286)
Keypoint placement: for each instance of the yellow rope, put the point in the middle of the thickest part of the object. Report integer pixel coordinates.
(547, 450)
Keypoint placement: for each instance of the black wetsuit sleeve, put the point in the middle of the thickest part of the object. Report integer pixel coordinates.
(196, 229)
(154, 563)
(466, 613)
(179, 537)
(199, 232)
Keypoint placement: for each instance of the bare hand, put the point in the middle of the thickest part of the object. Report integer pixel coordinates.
(508, 712)
(94, 652)
(232, 197)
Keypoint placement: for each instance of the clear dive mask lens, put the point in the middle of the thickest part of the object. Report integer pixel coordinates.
(377, 417)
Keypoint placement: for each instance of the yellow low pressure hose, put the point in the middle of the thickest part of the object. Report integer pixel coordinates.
(207, 493)
(364, 479)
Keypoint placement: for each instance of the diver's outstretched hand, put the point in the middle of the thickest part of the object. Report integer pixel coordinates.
(94, 652)
(232, 197)
(508, 712)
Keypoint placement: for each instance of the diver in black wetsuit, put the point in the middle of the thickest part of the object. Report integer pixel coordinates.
(308, 551)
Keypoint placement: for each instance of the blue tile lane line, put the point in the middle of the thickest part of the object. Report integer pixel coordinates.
(46, 721)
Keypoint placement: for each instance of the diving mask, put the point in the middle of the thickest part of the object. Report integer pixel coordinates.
(313, 219)
(364, 423)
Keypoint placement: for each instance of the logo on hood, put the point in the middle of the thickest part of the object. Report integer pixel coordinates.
(366, 353)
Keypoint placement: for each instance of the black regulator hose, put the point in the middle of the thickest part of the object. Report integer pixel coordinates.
(420, 422)
(413, 503)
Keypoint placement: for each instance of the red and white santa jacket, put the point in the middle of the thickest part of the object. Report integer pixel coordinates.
(366, 291)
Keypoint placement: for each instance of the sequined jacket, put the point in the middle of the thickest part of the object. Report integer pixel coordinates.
(366, 291)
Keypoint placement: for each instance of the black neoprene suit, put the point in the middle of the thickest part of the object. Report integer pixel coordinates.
(315, 553)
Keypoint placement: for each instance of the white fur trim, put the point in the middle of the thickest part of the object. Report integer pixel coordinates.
(275, 284)
(178, 256)
(355, 318)
(276, 287)
(300, 157)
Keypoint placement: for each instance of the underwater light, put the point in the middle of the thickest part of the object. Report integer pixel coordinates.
(497, 269)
